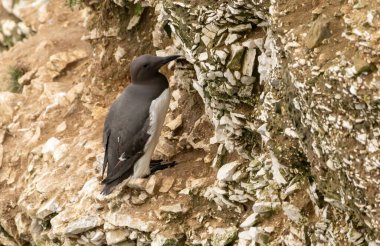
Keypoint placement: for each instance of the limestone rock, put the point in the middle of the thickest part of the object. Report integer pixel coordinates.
(116, 236)
(236, 57)
(167, 184)
(361, 65)
(222, 55)
(151, 185)
(134, 21)
(319, 30)
(137, 183)
(264, 207)
(174, 124)
(161, 240)
(250, 220)
(129, 220)
(119, 53)
(203, 56)
(230, 77)
(50, 145)
(227, 170)
(48, 208)
(240, 28)
(292, 212)
(61, 127)
(277, 170)
(21, 224)
(177, 208)
(231, 38)
(224, 236)
(7, 104)
(83, 224)
(249, 62)
(59, 61)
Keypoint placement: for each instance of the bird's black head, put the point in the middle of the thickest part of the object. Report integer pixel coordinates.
(146, 67)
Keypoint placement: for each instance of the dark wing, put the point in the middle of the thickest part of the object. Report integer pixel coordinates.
(134, 149)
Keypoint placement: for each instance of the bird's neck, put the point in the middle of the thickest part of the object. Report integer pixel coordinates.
(155, 79)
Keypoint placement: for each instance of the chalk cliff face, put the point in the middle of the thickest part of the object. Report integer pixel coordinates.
(273, 120)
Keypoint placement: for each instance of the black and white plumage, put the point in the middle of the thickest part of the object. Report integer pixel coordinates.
(134, 122)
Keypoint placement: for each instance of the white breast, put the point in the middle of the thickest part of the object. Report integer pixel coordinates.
(157, 113)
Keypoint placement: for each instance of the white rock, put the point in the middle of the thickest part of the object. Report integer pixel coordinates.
(89, 187)
(237, 75)
(249, 62)
(239, 175)
(50, 145)
(83, 224)
(230, 77)
(137, 183)
(197, 38)
(264, 207)
(224, 236)
(167, 184)
(292, 212)
(119, 53)
(245, 236)
(58, 62)
(210, 34)
(8, 27)
(231, 38)
(60, 151)
(250, 44)
(151, 185)
(227, 170)
(240, 28)
(258, 235)
(161, 240)
(222, 55)
(129, 220)
(192, 183)
(75, 91)
(116, 236)
(133, 22)
(177, 208)
(98, 235)
(250, 220)
(276, 167)
(174, 124)
(292, 188)
(206, 40)
(47, 209)
(291, 133)
(259, 42)
(262, 130)
(61, 127)
(203, 56)
(248, 80)
(7, 106)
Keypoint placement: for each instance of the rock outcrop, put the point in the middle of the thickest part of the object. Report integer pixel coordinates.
(274, 123)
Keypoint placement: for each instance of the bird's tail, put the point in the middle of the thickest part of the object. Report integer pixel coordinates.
(107, 189)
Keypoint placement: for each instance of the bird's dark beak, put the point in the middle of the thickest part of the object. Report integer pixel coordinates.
(166, 59)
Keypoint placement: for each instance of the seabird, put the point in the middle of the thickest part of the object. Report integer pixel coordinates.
(134, 122)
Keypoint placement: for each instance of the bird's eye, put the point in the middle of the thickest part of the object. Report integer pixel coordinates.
(145, 65)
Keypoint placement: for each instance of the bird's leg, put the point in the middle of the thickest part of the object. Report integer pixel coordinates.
(155, 162)
(157, 165)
